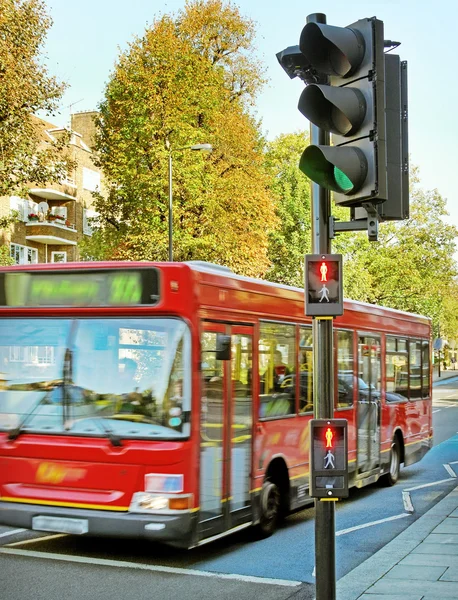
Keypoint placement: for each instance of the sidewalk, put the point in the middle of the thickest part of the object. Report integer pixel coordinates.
(444, 375)
(420, 564)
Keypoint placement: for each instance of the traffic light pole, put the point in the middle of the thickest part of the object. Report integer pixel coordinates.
(322, 374)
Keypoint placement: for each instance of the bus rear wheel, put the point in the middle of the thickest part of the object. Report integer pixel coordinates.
(270, 509)
(392, 476)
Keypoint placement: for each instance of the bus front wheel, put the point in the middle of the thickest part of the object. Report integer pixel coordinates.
(270, 509)
(392, 476)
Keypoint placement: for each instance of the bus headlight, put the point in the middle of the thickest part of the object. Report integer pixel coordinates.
(144, 502)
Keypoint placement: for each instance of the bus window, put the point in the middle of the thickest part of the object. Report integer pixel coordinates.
(397, 383)
(305, 370)
(425, 369)
(344, 369)
(277, 359)
(415, 370)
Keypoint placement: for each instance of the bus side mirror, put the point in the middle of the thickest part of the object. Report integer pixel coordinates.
(223, 347)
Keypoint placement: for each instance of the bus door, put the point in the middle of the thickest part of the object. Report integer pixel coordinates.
(369, 406)
(226, 431)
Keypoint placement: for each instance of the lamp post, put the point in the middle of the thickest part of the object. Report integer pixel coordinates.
(196, 147)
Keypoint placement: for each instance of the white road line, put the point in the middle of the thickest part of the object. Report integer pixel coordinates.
(438, 410)
(407, 501)
(419, 487)
(350, 529)
(7, 533)
(37, 539)
(131, 565)
(450, 471)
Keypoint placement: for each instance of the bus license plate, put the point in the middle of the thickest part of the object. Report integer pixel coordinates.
(60, 525)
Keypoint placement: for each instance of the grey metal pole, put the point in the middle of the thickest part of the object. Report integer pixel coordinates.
(323, 388)
(170, 208)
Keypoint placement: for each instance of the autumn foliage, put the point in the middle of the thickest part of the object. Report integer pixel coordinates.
(189, 80)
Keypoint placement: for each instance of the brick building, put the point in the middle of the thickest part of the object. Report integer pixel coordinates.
(54, 218)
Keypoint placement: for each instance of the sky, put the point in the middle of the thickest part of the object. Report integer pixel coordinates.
(87, 36)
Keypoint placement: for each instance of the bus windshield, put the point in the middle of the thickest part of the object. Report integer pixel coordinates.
(96, 377)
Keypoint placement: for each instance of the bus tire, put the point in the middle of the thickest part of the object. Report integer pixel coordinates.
(392, 476)
(270, 502)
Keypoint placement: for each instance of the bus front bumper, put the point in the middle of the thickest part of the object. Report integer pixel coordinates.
(169, 528)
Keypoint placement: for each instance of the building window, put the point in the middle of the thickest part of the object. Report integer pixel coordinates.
(88, 220)
(23, 255)
(58, 257)
(21, 206)
(91, 180)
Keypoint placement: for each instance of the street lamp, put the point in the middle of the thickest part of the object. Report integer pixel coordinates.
(196, 147)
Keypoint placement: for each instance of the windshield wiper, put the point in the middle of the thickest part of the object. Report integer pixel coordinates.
(109, 434)
(16, 432)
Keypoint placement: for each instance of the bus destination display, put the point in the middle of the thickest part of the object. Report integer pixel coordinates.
(92, 287)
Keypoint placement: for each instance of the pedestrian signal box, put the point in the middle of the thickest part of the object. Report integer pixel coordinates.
(328, 458)
(323, 285)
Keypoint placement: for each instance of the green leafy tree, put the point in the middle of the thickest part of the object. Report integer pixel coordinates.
(177, 86)
(411, 267)
(5, 258)
(291, 189)
(25, 88)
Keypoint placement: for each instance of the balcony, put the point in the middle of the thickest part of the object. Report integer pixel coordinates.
(54, 232)
(63, 191)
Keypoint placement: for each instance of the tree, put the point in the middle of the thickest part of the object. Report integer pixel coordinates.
(411, 267)
(291, 189)
(168, 91)
(5, 258)
(25, 88)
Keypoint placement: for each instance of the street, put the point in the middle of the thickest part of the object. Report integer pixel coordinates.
(57, 566)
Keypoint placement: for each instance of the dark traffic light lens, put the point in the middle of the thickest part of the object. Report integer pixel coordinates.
(343, 181)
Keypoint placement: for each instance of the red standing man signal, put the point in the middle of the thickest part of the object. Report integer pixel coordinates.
(324, 271)
(329, 436)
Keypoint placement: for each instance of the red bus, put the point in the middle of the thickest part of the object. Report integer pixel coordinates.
(171, 401)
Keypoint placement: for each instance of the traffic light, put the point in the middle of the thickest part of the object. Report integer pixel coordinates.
(323, 285)
(328, 458)
(352, 108)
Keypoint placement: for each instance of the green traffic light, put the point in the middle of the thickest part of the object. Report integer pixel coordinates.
(344, 183)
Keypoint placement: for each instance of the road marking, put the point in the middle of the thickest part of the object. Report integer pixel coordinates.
(44, 538)
(131, 565)
(450, 471)
(438, 410)
(7, 533)
(350, 529)
(424, 485)
(407, 501)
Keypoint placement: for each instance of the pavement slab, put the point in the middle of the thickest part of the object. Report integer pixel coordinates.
(415, 572)
(451, 574)
(426, 548)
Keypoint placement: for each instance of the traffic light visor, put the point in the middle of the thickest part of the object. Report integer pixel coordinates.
(332, 50)
(339, 110)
